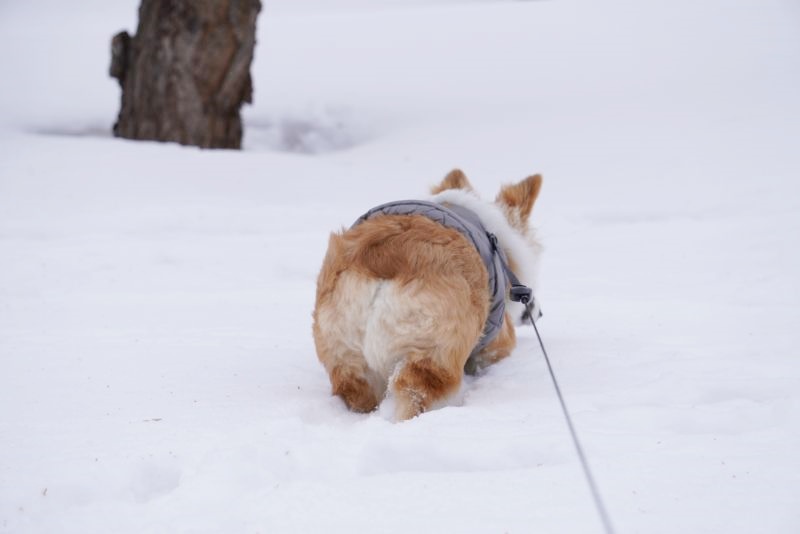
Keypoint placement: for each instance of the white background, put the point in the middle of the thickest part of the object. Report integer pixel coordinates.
(157, 372)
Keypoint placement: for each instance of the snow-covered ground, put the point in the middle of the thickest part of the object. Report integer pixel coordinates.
(157, 372)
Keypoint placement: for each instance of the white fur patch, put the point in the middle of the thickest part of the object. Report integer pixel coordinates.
(382, 312)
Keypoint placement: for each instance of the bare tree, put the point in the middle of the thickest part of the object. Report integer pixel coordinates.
(186, 72)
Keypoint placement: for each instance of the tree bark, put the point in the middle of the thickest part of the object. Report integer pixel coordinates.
(186, 72)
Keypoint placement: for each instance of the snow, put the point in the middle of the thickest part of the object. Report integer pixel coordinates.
(158, 372)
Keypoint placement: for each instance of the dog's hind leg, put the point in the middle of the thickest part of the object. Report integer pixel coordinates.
(339, 325)
(424, 380)
(350, 376)
(351, 379)
(354, 386)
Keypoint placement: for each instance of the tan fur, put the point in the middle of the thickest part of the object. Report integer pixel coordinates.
(455, 179)
(518, 199)
(501, 346)
(401, 302)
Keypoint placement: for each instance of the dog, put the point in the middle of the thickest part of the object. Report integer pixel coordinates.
(403, 299)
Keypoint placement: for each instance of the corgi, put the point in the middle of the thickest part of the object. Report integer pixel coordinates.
(405, 303)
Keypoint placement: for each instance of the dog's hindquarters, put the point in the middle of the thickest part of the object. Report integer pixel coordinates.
(401, 301)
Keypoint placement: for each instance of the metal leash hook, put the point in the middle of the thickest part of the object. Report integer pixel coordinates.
(520, 293)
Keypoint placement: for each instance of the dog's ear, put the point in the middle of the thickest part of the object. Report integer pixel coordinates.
(455, 179)
(517, 199)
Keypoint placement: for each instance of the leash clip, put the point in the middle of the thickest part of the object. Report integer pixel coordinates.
(520, 293)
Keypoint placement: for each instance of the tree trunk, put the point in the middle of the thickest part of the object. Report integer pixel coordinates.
(186, 72)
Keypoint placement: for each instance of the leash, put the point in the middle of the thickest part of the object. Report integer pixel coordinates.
(598, 501)
(524, 295)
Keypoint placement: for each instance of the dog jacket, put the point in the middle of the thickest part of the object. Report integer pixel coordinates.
(469, 224)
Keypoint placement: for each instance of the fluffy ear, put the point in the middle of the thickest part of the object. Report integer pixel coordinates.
(517, 200)
(455, 179)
